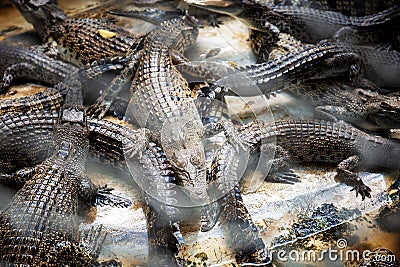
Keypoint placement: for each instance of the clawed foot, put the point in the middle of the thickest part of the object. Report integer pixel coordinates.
(49, 49)
(287, 177)
(363, 190)
(352, 179)
(99, 67)
(105, 197)
(215, 22)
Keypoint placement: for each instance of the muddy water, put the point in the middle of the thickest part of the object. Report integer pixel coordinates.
(275, 208)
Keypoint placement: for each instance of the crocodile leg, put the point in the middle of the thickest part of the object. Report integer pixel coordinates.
(200, 71)
(103, 103)
(49, 49)
(91, 240)
(229, 130)
(330, 113)
(87, 249)
(278, 171)
(346, 176)
(162, 242)
(104, 197)
(241, 230)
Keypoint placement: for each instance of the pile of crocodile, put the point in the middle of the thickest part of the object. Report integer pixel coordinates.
(341, 56)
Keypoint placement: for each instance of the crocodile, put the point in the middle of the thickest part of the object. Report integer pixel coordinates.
(161, 101)
(361, 105)
(21, 63)
(157, 16)
(354, 8)
(39, 226)
(32, 134)
(164, 218)
(307, 62)
(32, 65)
(338, 143)
(379, 65)
(77, 40)
(306, 24)
(232, 212)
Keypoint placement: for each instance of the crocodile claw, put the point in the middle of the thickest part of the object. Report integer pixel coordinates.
(105, 197)
(215, 22)
(363, 190)
(286, 177)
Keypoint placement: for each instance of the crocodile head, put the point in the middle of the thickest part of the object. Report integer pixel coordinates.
(389, 113)
(228, 7)
(251, 12)
(189, 165)
(42, 14)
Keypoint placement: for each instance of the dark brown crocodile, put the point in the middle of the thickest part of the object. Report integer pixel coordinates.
(354, 8)
(18, 63)
(361, 105)
(307, 24)
(381, 66)
(325, 141)
(307, 62)
(32, 134)
(39, 226)
(78, 40)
